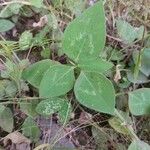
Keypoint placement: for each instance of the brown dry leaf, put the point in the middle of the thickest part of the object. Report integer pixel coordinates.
(42, 146)
(84, 118)
(43, 21)
(117, 76)
(22, 146)
(2, 67)
(16, 138)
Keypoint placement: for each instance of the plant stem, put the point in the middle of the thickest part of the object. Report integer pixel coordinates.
(8, 3)
(24, 98)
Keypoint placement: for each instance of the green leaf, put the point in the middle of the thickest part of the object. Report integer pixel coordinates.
(85, 36)
(57, 80)
(25, 40)
(139, 145)
(2, 88)
(110, 53)
(34, 73)
(141, 78)
(11, 89)
(64, 113)
(6, 25)
(6, 119)
(75, 6)
(53, 105)
(95, 92)
(139, 101)
(52, 21)
(7, 47)
(37, 3)
(7, 89)
(45, 53)
(145, 63)
(12, 71)
(127, 32)
(2, 108)
(57, 3)
(119, 125)
(30, 129)
(147, 42)
(39, 38)
(50, 106)
(94, 65)
(28, 107)
(10, 10)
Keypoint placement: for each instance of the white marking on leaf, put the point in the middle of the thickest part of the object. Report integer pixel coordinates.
(55, 77)
(91, 44)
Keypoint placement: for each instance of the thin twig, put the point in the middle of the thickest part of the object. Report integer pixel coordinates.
(114, 38)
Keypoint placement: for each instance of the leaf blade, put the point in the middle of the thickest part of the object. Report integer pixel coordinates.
(95, 92)
(85, 36)
(139, 145)
(57, 81)
(145, 63)
(49, 106)
(30, 129)
(94, 65)
(139, 103)
(6, 119)
(34, 73)
(6, 25)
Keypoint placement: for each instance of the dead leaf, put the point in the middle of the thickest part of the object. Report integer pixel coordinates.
(2, 67)
(84, 117)
(117, 76)
(42, 146)
(43, 21)
(16, 138)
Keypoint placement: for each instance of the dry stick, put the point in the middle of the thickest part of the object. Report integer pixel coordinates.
(114, 38)
(42, 146)
(28, 54)
(51, 122)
